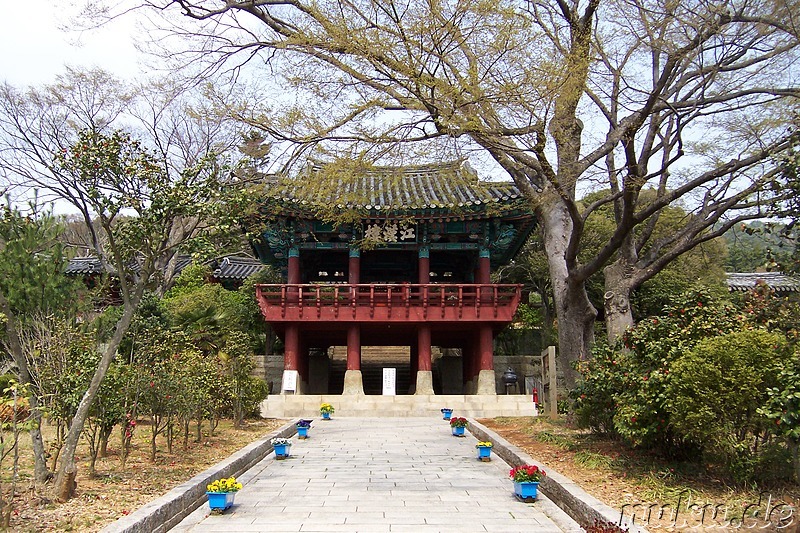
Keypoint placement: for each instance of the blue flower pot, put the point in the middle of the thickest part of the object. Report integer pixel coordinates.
(447, 413)
(281, 451)
(302, 432)
(326, 416)
(485, 453)
(219, 501)
(458, 432)
(525, 490)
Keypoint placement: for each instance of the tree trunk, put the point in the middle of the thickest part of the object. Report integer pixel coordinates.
(170, 437)
(575, 313)
(40, 471)
(617, 299)
(154, 420)
(105, 434)
(64, 487)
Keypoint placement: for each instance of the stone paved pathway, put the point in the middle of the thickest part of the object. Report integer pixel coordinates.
(376, 475)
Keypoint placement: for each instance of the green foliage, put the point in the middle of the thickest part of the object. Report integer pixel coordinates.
(595, 397)
(6, 381)
(203, 315)
(32, 264)
(705, 380)
(716, 389)
(246, 391)
(64, 371)
(782, 405)
(764, 308)
(208, 314)
(625, 386)
(529, 316)
(148, 323)
(753, 246)
(193, 277)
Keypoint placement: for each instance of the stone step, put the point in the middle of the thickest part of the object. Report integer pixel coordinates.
(476, 406)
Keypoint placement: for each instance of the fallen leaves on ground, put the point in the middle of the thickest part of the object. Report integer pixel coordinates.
(643, 483)
(115, 492)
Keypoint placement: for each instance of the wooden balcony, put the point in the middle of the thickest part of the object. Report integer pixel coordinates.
(434, 302)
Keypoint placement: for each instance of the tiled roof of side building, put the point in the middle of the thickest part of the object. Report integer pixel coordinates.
(745, 281)
(227, 267)
(237, 267)
(83, 266)
(438, 186)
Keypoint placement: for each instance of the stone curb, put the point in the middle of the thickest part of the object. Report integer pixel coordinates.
(168, 510)
(581, 506)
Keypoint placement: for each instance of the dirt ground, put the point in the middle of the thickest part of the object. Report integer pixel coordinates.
(662, 495)
(115, 491)
(603, 468)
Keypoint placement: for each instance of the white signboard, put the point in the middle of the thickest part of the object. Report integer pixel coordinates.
(389, 381)
(289, 380)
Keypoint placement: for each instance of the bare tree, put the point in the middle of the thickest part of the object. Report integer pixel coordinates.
(687, 99)
(139, 202)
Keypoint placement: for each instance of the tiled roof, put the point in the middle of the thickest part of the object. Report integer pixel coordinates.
(83, 266)
(228, 267)
(745, 281)
(451, 185)
(237, 267)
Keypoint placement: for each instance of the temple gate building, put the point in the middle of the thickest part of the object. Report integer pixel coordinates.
(390, 256)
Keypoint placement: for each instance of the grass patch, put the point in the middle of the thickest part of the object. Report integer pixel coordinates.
(560, 441)
(595, 461)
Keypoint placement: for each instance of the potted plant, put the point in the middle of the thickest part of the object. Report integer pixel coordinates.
(281, 445)
(302, 428)
(326, 410)
(446, 413)
(221, 492)
(484, 451)
(458, 424)
(526, 481)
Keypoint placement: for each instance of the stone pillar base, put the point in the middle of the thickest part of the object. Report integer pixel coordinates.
(424, 382)
(486, 385)
(353, 383)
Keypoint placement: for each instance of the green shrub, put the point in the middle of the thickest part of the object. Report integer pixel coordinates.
(716, 390)
(595, 396)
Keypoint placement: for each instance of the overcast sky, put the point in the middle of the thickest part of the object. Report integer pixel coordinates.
(35, 50)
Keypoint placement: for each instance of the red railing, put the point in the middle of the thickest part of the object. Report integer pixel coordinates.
(402, 301)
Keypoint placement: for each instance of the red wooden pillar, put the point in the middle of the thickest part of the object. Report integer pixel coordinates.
(354, 347)
(485, 348)
(293, 275)
(483, 272)
(291, 347)
(424, 348)
(293, 270)
(354, 266)
(486, 382)
(424, 265)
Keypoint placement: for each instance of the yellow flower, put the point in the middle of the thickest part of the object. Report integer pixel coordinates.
(224, 485)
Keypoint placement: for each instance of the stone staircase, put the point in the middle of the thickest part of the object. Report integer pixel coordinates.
(307, 406)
